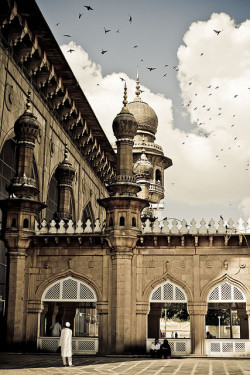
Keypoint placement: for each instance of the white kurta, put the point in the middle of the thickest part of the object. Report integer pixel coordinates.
(66, 342)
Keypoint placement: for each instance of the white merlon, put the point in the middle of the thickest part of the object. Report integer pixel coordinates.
(165, 227)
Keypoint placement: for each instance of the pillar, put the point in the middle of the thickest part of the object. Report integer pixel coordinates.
(197, 312)
(103, 329)
(121, 303)
(154, 320)
(15, 307)
(242, 314)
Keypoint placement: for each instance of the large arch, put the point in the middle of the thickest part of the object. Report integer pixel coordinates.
(227, 328)
(69, 297)
(168, 316)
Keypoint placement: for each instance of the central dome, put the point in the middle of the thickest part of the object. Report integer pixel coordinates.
(145, 116)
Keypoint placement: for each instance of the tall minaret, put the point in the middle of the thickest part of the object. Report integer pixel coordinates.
(19, 213)
(123, 209)
(145, 149)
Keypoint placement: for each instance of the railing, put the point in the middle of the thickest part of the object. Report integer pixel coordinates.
(168, 227)
(80, 345)
(157, 188)
(227, 347)
(178, 346)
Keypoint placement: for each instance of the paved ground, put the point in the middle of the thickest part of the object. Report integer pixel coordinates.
(45, 364)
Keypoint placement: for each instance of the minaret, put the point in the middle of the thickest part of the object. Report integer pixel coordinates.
(64, 174)
(123, 209)
(19, 213)
(144, 146)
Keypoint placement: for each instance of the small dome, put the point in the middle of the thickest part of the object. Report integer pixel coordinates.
(145, 116)
(143, 167)
(124, 125)
(65, 173)
(26, 126)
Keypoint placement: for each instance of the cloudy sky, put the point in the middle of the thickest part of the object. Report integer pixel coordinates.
(200, 88)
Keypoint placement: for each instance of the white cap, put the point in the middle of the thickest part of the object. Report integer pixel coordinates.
(67, 324)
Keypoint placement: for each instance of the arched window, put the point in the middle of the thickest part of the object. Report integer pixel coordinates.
(52, 199)
(158, 175)
(13, 222)
(133, 222)
(25, 223)
(122, 221)
(88, 214)
(168, 292)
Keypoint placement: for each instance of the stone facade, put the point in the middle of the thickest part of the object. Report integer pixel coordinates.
(93, 262)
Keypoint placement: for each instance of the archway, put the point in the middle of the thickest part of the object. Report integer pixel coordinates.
(168, 317)
(71, 300)
(227, 328)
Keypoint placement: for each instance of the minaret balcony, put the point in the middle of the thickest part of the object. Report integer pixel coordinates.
(156, 188)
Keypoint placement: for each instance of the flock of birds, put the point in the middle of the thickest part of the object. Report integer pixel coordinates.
(210, 113)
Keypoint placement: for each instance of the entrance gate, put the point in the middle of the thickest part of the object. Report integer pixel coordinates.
(70, 300)
(167, 296)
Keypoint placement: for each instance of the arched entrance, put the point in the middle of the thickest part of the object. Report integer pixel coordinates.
(74, 301)
(168, 318)
(227, 322)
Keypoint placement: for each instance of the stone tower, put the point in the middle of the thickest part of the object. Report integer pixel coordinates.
(65, 174)
(123, 209)
(146, 152)
(19, 213)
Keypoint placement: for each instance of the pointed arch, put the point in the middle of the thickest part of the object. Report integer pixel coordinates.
(46, 284)
(233, 283)
(88, 213)
(69, 289)
(164, 279)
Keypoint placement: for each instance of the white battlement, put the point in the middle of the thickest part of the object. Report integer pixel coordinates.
(168, 227)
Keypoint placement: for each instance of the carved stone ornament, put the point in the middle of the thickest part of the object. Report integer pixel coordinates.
(209, 264)
(183, 264)
(9, 96)
(225, 264)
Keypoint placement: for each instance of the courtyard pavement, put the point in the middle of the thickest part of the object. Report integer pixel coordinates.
(50, 364)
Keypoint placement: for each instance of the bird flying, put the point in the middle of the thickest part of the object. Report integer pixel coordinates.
(88, 7)
(122, 79)
(150, 69)
(103, 52)
(71, 50)
(217, 31)
(130, 19)
(80, 15)
(68, 36)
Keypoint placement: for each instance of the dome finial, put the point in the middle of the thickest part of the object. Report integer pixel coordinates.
(137, 92)
(66, 152)
(28, 105)
(125, 102)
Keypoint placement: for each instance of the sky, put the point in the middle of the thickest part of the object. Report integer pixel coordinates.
(200, 89)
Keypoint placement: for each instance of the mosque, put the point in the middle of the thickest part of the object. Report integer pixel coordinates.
(80, 237)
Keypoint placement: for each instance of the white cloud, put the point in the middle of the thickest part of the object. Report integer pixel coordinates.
(210, 163)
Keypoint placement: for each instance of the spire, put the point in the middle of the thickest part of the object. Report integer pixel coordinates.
(125, 102)
(66, 152)
(28, 105)
(137, 92)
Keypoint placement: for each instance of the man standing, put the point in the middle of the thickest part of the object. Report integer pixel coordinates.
(66, 345)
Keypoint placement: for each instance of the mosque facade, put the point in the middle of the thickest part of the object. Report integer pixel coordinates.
(80, 237)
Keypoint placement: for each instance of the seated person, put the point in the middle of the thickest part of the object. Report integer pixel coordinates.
(165, 350)
(155, 350)
(209, 336)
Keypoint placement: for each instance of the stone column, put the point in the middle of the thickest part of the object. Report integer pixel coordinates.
(154, 320)
(121, 303)
(242, 314)
(33, 323)
(197, 312)
(142, 309)
(103, 329)
(15, 307)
